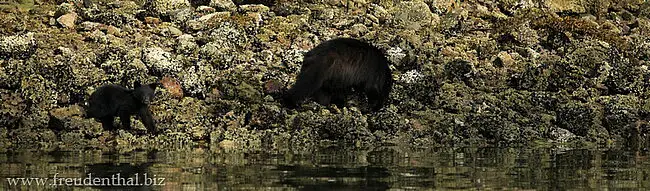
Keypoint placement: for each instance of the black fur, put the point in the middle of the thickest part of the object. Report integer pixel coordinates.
(110, 101)
(331, 69)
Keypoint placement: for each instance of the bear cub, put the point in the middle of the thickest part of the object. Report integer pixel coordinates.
(330, 70)
(110, 101)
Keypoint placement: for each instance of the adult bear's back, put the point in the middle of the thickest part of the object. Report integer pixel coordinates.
(354, 60)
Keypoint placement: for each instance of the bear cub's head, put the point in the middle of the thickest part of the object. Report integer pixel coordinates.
(145, 93)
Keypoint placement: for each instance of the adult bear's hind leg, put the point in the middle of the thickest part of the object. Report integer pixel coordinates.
(322, 97)
(375, 99)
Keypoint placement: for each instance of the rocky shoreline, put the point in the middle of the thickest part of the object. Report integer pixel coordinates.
(467, 73)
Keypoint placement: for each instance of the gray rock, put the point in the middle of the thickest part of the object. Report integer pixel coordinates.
(395, 54)
(413, 15)
(181, 16)
(199, 23)
(186, 44)
(160, 60)
(223, 5)
(562, 135)
(205, 9)
(164, 7)
(89, 26)
(565, 6)
(255, 8)
(174, 31)
(64, 8)
(98, 36)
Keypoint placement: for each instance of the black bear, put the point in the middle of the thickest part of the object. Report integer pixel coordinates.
(110, 101)
(330, 70)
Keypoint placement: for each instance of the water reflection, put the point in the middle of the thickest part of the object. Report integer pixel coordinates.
(340, 169)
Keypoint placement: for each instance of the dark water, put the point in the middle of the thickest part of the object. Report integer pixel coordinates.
(337, 169)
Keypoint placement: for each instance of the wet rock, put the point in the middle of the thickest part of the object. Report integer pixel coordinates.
(459, 70)
(389, 122)
(622, 112)
(17, 46)
(67, 20)
(36, 139)
(73, 140)
(223, 5)
(509, 131)
(580, 119)
(184, 120)
(160, 61)
(11, 109)
(583, 63)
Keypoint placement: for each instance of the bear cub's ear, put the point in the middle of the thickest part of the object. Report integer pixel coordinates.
(136, 84)
(154, 85)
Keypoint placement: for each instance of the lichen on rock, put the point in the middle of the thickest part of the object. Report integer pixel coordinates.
(17, 46)
(509, 72)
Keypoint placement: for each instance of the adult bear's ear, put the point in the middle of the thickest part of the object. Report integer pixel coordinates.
(136, 84)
